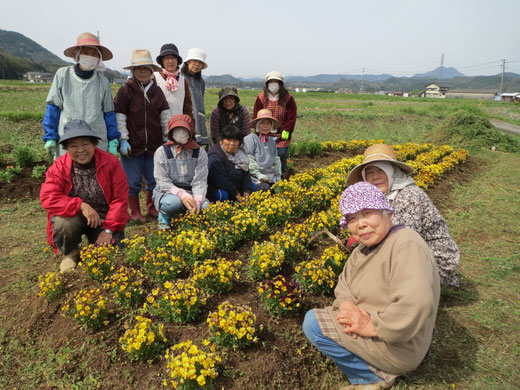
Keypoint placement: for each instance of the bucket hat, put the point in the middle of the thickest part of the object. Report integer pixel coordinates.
(274, 75)
(88, 39)
(198, 55)
(77, 128)
(377, 152)
(265, 114)
(142, 57)
(228, 91)
(167, 50)
(361, 196)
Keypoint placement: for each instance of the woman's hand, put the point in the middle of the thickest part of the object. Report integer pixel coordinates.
(104, 238)
(92, 216)
(356, 321)
(189, 202)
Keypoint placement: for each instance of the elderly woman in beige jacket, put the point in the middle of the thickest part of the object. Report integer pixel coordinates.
(381, 322)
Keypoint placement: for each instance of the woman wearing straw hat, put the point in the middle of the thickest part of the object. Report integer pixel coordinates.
(381, 323)
(142, 114)
(85, 193)
(276, 98)
(192, 70)
(264, 162)
(81, 91)
(411, 204)
(172, 82)
(229, 111)
(181, 172)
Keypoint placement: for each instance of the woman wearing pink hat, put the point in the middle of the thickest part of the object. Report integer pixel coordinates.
(381, 323)
(280, 102)
(81, 91)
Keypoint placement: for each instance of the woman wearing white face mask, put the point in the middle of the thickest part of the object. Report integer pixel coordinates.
(181, 172)
(280, 102)
(81, 91)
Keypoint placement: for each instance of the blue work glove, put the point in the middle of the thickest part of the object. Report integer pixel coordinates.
(112, 146)
(285, 135)
(125, 149)
(50, 145)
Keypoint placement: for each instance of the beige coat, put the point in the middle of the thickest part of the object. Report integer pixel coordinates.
(398, 285)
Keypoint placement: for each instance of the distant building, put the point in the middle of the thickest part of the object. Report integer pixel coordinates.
(470, 94)
(39, 77)
(510, 97)
(435, 90)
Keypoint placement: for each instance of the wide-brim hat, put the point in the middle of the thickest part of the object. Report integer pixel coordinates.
(377, 152)
(265, 114)
(274, 75)
(77, 128)
(88, 39)
(142, 57)
(168, 49)
(228, 91)
(198, 55)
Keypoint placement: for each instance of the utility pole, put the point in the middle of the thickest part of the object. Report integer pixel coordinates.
(442, 67)
(503, 71)
(362, 80)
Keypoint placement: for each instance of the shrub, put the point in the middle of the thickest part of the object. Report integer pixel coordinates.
(24, 156)
(39, 171)
(7, 174)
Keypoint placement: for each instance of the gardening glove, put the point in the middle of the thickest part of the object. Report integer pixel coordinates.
(50, 145)
(125, 149)
(112, 147)
(285, 135)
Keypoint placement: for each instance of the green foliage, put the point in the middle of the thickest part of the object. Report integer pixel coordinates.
(305, 148)
(20, 116)
(24, 156)
(39, 171)
(7, 174)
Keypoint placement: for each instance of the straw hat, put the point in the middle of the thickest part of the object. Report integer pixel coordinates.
(274, 75)
(377, 152)
(88, 39)
(198, 55)
(265, 114)
(142, 57)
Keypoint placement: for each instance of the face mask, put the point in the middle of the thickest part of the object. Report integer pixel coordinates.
(181, 136)
(273, 88)
(88, 63)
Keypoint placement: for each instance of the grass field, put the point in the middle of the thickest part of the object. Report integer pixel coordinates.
(477, 340)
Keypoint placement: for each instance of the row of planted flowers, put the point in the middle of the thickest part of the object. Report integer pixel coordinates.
(169, 276)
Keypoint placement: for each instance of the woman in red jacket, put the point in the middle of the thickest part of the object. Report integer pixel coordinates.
(280, 102)
(85, 192)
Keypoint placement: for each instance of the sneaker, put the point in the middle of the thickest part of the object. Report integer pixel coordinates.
(70, 261)
(164, 222)
(369, 386)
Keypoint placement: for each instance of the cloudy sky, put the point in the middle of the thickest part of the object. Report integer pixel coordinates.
(298, 37)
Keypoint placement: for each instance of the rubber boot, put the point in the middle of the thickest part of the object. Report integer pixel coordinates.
(164, 221)
(135, 209)
(70, 261)
(152, 212)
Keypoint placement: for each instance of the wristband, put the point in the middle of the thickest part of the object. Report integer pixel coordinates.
(108, 231)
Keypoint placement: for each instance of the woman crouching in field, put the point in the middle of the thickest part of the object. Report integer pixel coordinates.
(381, 322)
(85, 192)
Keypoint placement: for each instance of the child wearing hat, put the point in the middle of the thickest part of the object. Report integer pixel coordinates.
(81, 91)
(192, 71)
(181, 172)
(142, 114)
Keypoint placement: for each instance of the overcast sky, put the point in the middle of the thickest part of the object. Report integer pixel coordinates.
(300, 37)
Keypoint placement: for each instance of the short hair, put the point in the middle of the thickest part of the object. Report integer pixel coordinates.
(231, 132)
(92, 140)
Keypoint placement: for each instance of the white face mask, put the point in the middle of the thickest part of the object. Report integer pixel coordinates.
(181, 136)
(273, 87)
(88, 63)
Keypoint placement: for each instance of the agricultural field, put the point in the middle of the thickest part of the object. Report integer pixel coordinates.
(219, 267)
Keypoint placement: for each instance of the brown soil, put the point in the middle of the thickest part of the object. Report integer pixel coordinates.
(283, 359)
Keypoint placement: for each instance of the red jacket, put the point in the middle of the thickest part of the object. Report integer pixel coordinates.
(55, 199)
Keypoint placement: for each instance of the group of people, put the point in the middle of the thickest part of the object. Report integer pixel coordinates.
(381, 322)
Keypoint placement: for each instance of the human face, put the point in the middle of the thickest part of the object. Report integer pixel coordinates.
(229, 102)
(195, 66)
(265, 126)
(369, 226)
(89, 51)
(377, 177)
(230, 145)
(142, 74)
(170, 63)
(81, 149)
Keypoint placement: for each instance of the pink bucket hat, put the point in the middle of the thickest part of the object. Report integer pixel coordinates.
(360, 196)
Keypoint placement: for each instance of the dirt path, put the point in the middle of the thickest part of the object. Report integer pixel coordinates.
(505, 127)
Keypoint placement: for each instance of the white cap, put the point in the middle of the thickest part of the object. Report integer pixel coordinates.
(274, 75)
(197, 54)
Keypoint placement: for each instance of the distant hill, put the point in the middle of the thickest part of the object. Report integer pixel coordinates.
(333, 78)
(441, 72)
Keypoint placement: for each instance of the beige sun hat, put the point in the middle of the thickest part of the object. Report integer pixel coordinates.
(265, 114)
(88, 39)
(274, 75)
(377, 152)
(142, 57)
